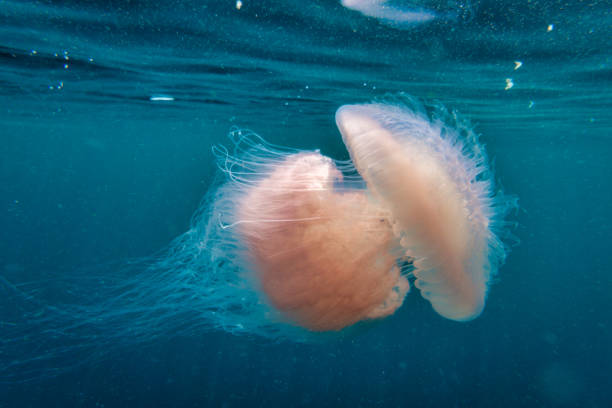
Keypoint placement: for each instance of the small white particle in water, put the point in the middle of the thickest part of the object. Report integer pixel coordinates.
(90, 59)
(65, 66)
(238, 5)
(161, 98)
(517, 65)
(531, 103)
(509, 84)
(550, 28)
(34, 52)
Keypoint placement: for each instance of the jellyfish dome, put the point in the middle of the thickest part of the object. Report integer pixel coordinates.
(311, 242)
(323, 257)
(434, 185)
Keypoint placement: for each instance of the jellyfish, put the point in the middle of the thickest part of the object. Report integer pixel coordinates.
(291, 244)
(441, 211)
(323, 255)
(328, 244)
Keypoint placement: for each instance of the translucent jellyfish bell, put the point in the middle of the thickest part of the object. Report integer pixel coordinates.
(320, 251)
(441, 211)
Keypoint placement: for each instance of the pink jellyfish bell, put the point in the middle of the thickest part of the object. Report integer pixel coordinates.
(323, 254)
(440, 210)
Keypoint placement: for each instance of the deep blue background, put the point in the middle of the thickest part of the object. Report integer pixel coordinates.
(94, 173)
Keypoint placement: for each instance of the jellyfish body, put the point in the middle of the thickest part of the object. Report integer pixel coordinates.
(325, 253)
(290, 243)
(440, 211)
(323, 257)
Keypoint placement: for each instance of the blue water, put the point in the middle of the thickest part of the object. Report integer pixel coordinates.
(95, 175)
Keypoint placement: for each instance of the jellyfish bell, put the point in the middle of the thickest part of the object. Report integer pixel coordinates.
(322, 255)
(440, 202)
